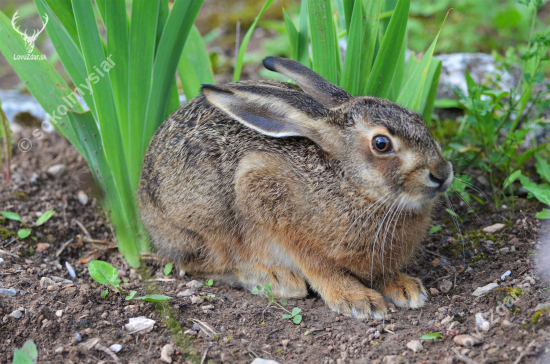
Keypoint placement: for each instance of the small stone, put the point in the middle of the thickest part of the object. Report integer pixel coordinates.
(482, 322)
(82, 197)
(285, 342)
(492, 351)
(223, 329)
(1, 260)
(56, 170)
(59, 350)
(104, 315)
(507, 323)
(466, 340)
(392, 359)
(195, 285)
(196, 327)
(45, 282)
(77, 337)
(8, 292)
(264, 361)
(392, 327)
(42, 247)
(415, 345)
(445, 286)
(143, 324)
(434, 291)
(16, 314)
(493, 228)
(166, 353)
(208, 307)
(482, 291)
(190, 332)
(186, 293)
(504, 251)
(59, 313)
(442, 309)
(196, 300)
(115, 348)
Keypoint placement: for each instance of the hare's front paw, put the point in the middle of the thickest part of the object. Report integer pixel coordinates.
(360, 302)
(404, 291)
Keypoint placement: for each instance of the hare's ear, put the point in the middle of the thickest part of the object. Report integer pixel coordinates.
(273, 111)
(314, 85)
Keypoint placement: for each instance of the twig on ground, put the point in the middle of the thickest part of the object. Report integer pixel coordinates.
(524, 352)
(11, 242)
(524, 271)
(60, 250)
(8, 253)
(463, 358)
(204, 355)
(86, 233)
(271, 332)
(108, 352)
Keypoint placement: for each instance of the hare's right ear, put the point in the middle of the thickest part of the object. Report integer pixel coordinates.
(314, 85)
(275, 111)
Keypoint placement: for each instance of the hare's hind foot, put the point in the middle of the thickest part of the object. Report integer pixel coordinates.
(404, 291)
(284, 283)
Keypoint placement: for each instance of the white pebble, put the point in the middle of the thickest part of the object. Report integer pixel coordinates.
(115, 348)
(415, 345)
(59, 313)
(166, 353)
(82, 198)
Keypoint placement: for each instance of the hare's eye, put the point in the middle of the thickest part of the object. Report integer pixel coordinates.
(381, 144)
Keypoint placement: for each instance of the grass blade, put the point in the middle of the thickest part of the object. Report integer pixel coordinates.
(292, 35)
(398, 79)
(303, 39)
(352, 61)
(429, 94)
(143, 30)
(411, 94)
(194, 66)
(244, 44)
(326, 55)
(63, 10)
(381, 77)
(169, 52)
(370, 24)
(348, 7)
(116, 22)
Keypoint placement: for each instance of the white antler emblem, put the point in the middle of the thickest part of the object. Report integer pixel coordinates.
(29, 40)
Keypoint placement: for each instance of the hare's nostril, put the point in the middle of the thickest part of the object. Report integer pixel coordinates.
(434, 179)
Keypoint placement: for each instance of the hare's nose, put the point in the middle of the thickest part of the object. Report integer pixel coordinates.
(439, 181)
(441, 176)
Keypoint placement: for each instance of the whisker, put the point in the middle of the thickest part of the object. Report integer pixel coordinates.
(470, 207)
(393, 233)
(393, 218)
(376, 238)
(475, 188)
(370, 215)
(458, 228)
(360, 216)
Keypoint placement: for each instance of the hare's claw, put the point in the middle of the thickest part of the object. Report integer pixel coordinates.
(404, 291)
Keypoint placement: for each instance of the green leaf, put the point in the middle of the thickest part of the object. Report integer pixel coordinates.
(210, 282)
(44, 217)
(286, 317)
(116, 24)
(10, 215)
(543, 168)
(63, 10)
(27, 354)
(544, 214)
(540, 193)
(432, 336)
(194, 67)
(435, 229)
(168, 269)
(298, 318)
(451, 212)
(256, 290)
(352, 61)
(246, 39)
(104, 273)
(284, 303)
(447, 104)
(325, 52)
(292, 35)
(153, 298)
(303, 38)
(511, 178)
(267, 287)
(296, 311)
(24, 233)
(411, 94)
(429, 94)
(381, 77)
(370, 22)
(131, 295)
(104, 293)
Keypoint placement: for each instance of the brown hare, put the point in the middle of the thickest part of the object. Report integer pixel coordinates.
(271, 182)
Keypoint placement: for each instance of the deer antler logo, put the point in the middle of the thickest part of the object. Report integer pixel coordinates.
(29, 40)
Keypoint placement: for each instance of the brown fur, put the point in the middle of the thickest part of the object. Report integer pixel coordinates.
(268, 182)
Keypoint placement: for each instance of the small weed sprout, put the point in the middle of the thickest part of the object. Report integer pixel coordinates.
(105, 273)
(24, 233)
(268, 292)
(27, 354)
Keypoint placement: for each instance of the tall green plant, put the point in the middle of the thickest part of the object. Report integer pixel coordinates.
(127, 80)
(374, 62)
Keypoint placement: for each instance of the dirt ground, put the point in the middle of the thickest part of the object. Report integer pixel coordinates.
(62, 317)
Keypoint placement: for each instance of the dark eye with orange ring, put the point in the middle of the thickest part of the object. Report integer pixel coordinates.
(382, 144)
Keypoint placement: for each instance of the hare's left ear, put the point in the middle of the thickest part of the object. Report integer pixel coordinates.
(323, 91)
(274, 111)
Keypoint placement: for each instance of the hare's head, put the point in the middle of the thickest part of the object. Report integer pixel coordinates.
(385, 150)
